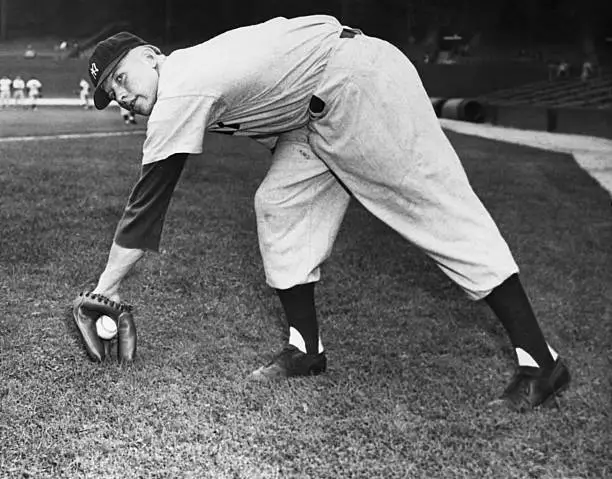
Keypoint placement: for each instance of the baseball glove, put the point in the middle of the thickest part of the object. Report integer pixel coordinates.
(87, 308)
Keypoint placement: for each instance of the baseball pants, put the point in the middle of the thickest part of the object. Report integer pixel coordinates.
(5, 98)
(373, 135)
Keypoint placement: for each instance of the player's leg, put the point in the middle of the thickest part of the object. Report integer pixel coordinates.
(383, 139)
(299, 208)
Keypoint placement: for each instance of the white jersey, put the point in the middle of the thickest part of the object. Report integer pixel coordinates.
(33, 85)
(18, 84)
(231, 84)
(370, 133)
(84, 84)
(5, 84)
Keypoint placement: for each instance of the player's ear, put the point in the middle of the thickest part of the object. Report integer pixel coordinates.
(150, 54)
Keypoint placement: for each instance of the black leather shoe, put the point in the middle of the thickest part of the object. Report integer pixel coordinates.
(291, 362)
(533, 387)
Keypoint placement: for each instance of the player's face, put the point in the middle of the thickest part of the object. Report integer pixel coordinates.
(133, 84)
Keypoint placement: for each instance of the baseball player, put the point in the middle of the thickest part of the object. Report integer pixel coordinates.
(127, 115)
(18, 90)
(34, 86)
(29, 52)
(347, 116)
(5, 91)
(84, 94)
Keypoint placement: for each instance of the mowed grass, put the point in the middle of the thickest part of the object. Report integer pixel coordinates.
(412, 362)
(45, 121)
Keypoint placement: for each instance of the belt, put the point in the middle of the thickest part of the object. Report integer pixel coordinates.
(349, 32)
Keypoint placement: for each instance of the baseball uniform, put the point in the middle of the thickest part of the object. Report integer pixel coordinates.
(5, 91)
(33, 85)
(84, 93)
(347, 115)
(18, 90)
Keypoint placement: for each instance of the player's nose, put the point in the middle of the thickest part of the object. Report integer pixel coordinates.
(121, 93)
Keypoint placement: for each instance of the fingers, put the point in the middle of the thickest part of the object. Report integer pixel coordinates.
(126, 338)
(86, 324)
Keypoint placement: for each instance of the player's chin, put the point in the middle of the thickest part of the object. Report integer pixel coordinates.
(143, 108)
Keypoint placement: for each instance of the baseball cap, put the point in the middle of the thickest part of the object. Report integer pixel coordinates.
(104, 59)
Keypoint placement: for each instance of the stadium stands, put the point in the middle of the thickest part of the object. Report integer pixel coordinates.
(595, 92)
(567, 105)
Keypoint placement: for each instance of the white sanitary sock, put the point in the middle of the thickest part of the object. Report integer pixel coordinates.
(525, 359)
(296, 339)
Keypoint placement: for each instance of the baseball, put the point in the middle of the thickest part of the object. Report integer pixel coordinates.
(106, 327)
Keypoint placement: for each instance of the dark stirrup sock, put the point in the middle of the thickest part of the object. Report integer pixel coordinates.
(510, 304)
(298, 303)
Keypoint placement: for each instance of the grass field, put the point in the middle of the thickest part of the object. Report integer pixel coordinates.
(412, 363)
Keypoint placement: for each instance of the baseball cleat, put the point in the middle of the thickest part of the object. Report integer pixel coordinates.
(533, 387)
(292, 362)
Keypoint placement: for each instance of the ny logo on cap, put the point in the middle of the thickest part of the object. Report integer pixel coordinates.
(94, 70)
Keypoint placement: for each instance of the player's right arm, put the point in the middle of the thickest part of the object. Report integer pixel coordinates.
(120, 262)
(175, 129)
(141, 225)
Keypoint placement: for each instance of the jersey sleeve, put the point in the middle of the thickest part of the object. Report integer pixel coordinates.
(177, 125)
(143, 218)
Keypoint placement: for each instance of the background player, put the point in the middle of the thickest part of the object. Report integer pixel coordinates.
(127, 115)
(5, 91)
(18, 90)
(349, 117)
(34, 87)
(84, 95)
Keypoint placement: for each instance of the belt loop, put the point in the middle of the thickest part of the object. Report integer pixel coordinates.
(350, 32)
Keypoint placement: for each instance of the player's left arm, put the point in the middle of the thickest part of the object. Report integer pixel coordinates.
(140, 227)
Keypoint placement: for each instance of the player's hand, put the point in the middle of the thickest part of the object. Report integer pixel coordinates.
(87, 309)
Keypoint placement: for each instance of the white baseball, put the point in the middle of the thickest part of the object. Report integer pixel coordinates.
(106, 327)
